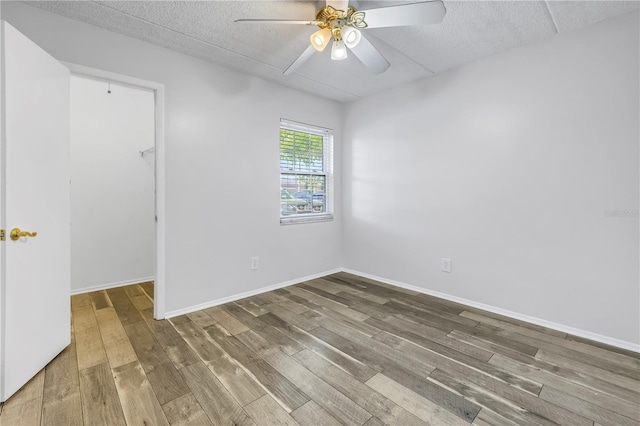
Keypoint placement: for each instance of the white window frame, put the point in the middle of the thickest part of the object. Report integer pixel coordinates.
(327, 151)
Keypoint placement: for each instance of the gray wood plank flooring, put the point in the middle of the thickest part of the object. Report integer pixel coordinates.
(341, 349)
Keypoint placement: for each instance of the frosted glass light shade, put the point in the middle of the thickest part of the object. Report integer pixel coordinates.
(338, 51)
(351, 36)
(320, 39)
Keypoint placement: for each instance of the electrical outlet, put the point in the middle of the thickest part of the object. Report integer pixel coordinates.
(255, 263)
(446, 265)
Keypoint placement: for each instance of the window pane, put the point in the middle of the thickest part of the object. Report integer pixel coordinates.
(300, 151)
(306, 193)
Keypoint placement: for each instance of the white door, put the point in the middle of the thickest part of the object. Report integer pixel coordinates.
(35, 277)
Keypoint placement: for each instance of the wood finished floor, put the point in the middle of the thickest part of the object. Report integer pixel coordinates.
(337, 350)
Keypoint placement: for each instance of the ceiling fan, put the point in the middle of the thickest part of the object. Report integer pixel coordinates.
(342, 23)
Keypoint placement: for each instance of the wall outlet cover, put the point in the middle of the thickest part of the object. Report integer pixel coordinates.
(446, 265)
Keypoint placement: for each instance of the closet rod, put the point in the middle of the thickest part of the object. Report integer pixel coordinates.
(148, 151)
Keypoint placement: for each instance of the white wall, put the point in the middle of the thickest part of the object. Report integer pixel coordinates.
(505, 165)
(222, 170)
(112, 186)
(508, 166)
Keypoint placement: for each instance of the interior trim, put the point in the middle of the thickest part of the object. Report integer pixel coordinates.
(511, 314)
(111, 285)
(249, 293)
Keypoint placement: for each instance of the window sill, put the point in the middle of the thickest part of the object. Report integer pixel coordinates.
(306, 219)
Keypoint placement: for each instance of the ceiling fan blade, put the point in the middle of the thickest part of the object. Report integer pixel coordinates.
(369, 55)
(338, 4)
(309, 51)
(430, 12)
(279, 21)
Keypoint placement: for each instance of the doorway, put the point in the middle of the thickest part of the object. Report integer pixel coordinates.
(117, 183)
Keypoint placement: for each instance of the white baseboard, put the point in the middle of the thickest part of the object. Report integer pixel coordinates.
(515, 315)
(249, 293)
(110, 285)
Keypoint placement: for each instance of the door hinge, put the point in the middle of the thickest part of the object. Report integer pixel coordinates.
(1, 234)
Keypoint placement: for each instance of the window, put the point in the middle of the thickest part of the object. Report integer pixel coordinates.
(306, 160)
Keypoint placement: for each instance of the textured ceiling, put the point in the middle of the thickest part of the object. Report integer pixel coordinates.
(205, 29)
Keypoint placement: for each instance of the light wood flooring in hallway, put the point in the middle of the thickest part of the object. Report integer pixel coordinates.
(336, 350)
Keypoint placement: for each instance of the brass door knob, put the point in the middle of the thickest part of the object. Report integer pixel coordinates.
(16, 234)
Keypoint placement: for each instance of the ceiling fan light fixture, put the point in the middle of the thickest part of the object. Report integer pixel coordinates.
(338, 50)
(351, 36)
(320, 39)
